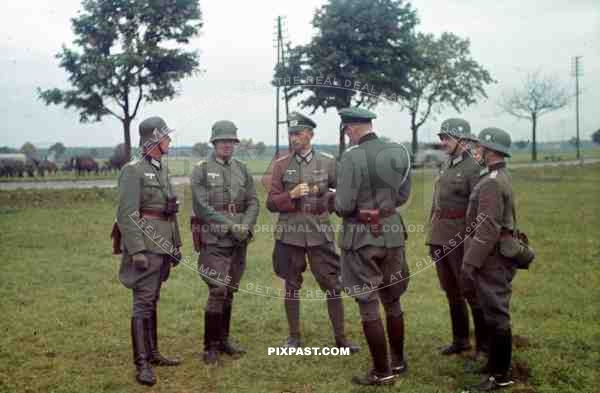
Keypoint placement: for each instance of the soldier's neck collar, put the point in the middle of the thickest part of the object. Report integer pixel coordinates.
(222, 161)
(154, 162)
(306, 158)
(367, 137)
(496, 165)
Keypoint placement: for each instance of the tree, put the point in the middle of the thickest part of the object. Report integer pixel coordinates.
(596, 137)
(201, 148)
(349, 60)
(446, 75)
(7, 150)
(539, 95)
(260, 147)
(94, 152)
(126, 51)
(28, 149)
(58, 149)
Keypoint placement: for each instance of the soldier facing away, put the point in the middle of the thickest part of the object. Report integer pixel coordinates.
(486, 272)
(373, 181)
(225, 211)
(455, 182)
(150, 241)
(300, 193)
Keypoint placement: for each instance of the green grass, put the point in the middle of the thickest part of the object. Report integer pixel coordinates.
(65, 317)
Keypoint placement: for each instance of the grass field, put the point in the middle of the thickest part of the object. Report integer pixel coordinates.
(65, 317)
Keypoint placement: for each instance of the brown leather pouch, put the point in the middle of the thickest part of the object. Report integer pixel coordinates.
(196, 227)
(115, 234)
(371, 218)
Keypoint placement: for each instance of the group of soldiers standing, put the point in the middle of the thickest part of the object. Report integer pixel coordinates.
(472, 206)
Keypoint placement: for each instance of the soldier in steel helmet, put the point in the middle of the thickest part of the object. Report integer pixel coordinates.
(455, 182)
(148, 233)
(225, 208)
(373, 181)
(486, 272)
(300, 193)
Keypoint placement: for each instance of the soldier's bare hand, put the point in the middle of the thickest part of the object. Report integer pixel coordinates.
(240, 232)
(140, 261)
(299, 191)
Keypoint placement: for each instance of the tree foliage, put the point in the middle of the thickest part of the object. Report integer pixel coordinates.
(125, 52)
(445, 76)
(357, 46)
(596, 137)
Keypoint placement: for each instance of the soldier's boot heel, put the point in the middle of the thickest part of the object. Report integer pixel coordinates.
(156, 358)
(144, 374)
(381, 374)
(395, 331)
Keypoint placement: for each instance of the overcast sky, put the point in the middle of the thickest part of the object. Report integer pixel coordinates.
(510, 38)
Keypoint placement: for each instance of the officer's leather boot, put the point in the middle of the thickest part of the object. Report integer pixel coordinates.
(141, 353)
(156, 358)
(292, 312)
(381, 374)
(459, 317)
(225, 345)
(212, 326)
(335, 308)
(395, 331)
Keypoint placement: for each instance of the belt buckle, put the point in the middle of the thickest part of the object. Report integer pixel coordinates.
(231, 209)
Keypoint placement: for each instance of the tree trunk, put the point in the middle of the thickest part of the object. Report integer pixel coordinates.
(127, 137)
(415, 142)
(533, 137)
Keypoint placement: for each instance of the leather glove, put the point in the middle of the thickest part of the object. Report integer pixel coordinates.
(240, 232)
(176, 257)
(140, 261)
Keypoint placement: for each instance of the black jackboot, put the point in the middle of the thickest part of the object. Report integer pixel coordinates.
(212, 339)
(156, 358)
(459, 316)
(141, 353)
(395, 331)
(498, 363)
(381, 374)
(225, 345)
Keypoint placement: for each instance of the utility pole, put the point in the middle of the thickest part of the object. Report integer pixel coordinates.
(280, 63)
(577, 72)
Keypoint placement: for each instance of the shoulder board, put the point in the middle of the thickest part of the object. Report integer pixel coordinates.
(493, 174)
(351, 148)
(484, 172)
(328, 155)
(283, 158)
(200, 163)
(238, 161)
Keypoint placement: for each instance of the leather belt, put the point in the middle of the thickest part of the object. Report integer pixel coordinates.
(156, 214)
(449, 214)
(231, 209)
